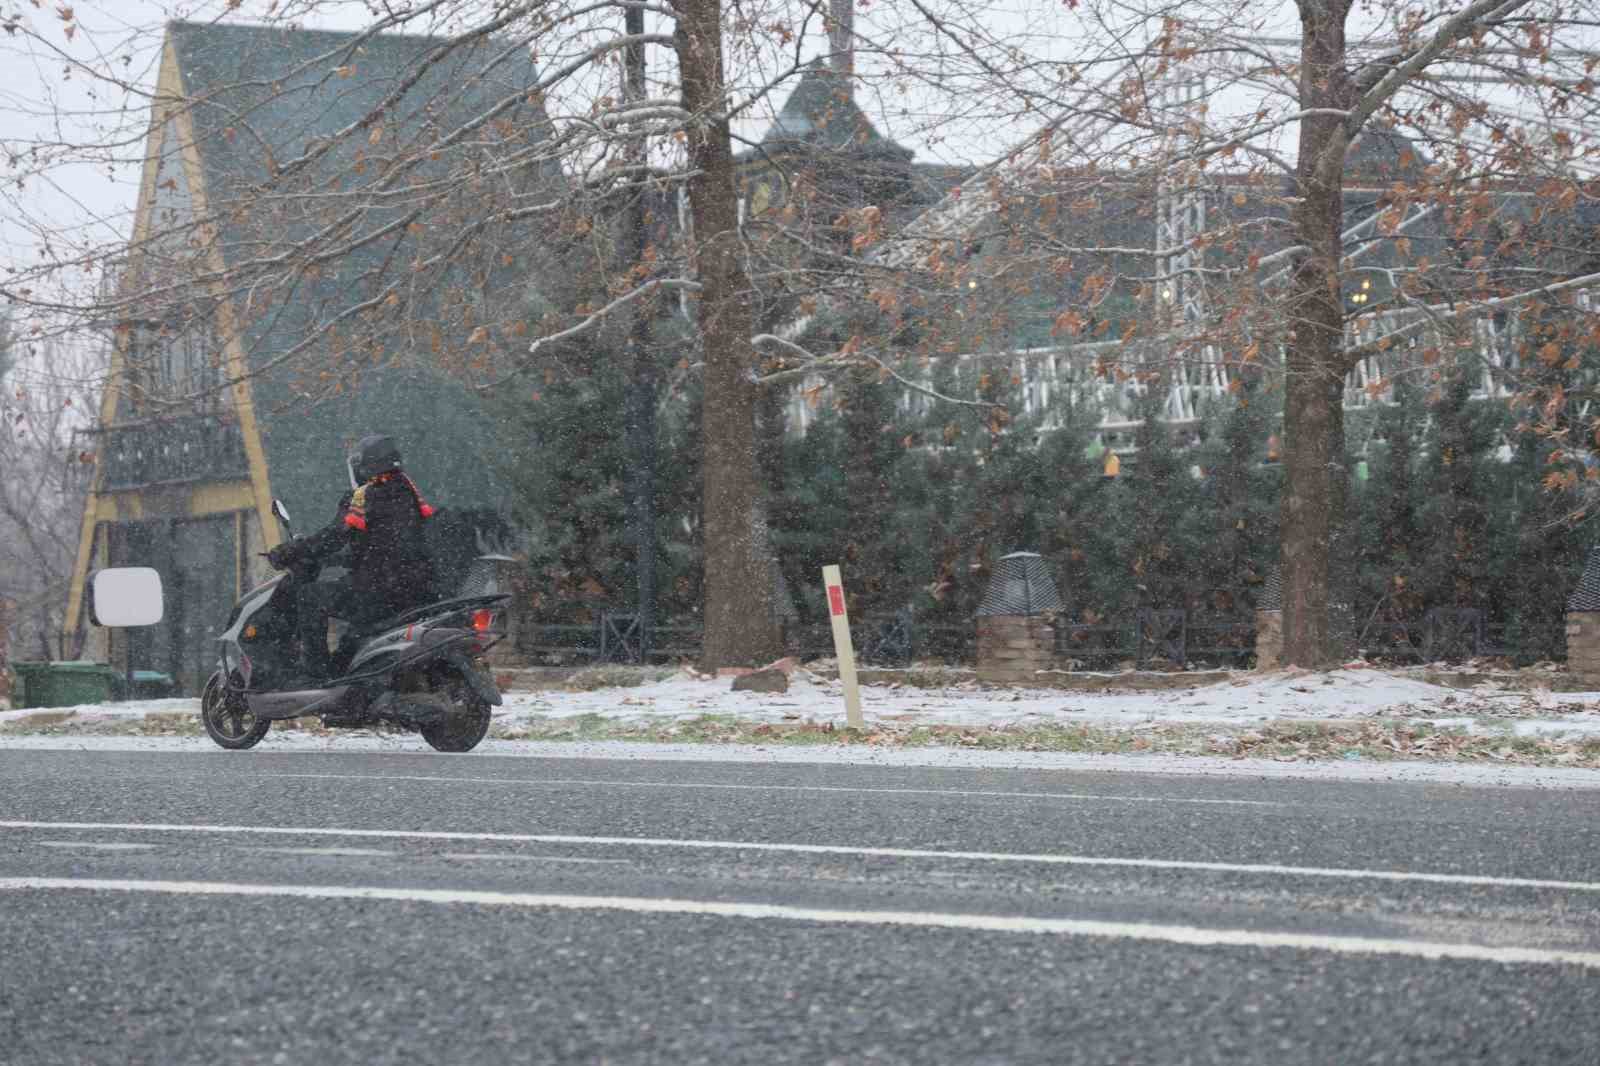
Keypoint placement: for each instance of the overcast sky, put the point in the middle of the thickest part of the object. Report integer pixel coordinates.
(46, 107)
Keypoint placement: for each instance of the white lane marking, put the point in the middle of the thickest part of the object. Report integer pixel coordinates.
(1272, 869)
(1171, 934)
(94, 845)
(501, 856)
(590, 782)
(336, 852)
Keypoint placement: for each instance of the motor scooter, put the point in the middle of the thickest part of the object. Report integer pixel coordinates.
(423, 670)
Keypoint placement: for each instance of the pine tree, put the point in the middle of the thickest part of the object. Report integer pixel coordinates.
(1232, 532)
(1455, 563)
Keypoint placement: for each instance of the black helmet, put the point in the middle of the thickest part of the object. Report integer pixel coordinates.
(373, 456)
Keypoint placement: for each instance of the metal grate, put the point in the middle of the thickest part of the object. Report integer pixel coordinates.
(1021, 585)
(1586, 597)
(1271, 598)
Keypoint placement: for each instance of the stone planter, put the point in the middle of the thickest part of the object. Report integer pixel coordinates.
(1015, 636)
(1583, 648)
(1269, 639)
(1269, 622)
(1012, 649)
(1583, 625)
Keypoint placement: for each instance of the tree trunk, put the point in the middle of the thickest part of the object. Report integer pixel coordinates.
(1313, 412)
(741, 626)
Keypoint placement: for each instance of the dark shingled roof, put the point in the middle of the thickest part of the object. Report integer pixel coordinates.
(262, 96)
(1021, 585)
(1380, 157)
(821, 114)
(1586, 597)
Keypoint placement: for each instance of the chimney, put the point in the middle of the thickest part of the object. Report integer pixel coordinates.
(841, 43)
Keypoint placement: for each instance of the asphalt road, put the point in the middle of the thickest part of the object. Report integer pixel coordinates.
(408, 908)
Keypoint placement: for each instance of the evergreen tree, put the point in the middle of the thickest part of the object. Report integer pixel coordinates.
(1384, 514)
(1232, 532)
(1537, 552)
(1455, 562)
(1160, 493)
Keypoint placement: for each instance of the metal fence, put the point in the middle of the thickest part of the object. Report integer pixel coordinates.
(1140, 639)
(1449, 633)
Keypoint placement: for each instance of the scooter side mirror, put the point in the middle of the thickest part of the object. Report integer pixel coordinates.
(126, 596)
(282, 513)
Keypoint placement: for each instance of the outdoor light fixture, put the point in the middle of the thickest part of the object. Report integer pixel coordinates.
(1021, 585)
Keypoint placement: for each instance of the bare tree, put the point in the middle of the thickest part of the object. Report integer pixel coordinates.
(468, 163)
(1223, 191)
(462, 175)
(47, 394)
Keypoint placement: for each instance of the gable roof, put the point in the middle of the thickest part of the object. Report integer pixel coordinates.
(260, 101)
(821, 115)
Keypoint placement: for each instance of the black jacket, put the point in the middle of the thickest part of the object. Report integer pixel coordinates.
(381, 523)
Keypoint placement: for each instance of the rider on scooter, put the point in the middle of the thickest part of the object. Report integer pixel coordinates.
(380, 521)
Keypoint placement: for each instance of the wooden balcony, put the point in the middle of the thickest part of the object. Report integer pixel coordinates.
(171, 451)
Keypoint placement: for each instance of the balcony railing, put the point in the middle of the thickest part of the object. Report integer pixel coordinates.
(171, 451)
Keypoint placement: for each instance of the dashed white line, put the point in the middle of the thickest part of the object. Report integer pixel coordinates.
(1261, 869)
(502, 856)
(964, 793)
(94, 845)
(334, 852)
(1170, 934)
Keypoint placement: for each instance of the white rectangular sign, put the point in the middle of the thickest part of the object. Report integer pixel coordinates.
(842, 647)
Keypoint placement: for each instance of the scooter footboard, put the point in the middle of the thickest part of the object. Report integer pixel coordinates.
(280, 705)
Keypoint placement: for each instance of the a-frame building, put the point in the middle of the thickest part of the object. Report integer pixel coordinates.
(205, 419)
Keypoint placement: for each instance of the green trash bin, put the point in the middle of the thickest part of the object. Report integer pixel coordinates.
(64, 684)
(150, 685)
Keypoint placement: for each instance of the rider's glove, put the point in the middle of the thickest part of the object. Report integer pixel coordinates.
(282, 556)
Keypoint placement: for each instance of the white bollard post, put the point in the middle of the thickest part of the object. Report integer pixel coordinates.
(842, 647)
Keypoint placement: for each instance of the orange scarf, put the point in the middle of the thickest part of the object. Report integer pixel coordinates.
(356, 516)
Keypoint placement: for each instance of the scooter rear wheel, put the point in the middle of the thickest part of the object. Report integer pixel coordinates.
(465, 725)
(227, 719)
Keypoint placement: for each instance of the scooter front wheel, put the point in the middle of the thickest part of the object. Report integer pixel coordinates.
(228, 719)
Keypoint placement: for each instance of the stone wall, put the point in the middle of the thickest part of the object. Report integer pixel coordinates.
(1583, 646)
(1269, 640)
(1013, 648)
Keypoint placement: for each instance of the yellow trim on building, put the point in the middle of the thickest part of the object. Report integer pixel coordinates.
(169, 93)
(255, 495)
(220, 497)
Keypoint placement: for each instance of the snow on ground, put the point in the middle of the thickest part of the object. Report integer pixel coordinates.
(1244, 700)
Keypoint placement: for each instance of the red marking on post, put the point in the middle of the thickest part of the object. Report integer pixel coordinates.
(836, 599)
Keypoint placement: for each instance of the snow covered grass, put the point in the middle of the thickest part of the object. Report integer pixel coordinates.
(1358, 713)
